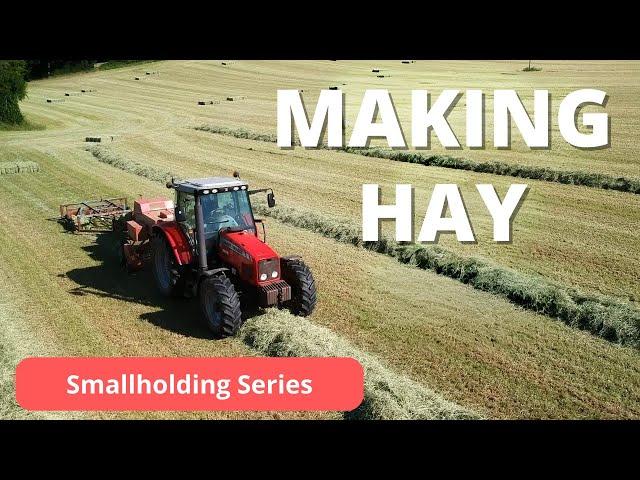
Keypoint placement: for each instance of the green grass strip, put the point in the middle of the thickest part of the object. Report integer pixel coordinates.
(387, 395)
(587, 179)
(603, 316)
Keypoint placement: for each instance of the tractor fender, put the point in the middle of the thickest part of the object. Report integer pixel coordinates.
(214, 271)
(177, 240)
(292, 258)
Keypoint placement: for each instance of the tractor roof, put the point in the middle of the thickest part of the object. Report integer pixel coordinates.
(198, 184)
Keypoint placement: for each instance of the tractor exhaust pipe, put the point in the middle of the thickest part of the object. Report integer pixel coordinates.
(202, 247)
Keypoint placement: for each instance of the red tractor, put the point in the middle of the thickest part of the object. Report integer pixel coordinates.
(206, 244)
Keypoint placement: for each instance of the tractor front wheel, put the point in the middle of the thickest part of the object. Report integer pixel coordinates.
(166, 270)
(220, 306)
(303, 287)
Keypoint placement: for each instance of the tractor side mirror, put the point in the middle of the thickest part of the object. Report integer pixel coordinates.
(180, 216)
(271, 200)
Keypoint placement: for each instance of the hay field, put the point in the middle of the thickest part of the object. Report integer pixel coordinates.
(474, 348)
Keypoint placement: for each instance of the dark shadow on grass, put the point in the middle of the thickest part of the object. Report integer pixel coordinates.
(110, 280)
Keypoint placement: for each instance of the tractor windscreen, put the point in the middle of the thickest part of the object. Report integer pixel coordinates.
(226, 209)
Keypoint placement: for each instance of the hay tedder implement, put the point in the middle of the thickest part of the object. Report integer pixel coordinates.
(204, 244)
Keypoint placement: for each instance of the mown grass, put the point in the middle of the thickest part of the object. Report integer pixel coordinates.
(105, 156)
(588, 179)
(388, 395)
(437, 350)
(474, 346)
(603, 316)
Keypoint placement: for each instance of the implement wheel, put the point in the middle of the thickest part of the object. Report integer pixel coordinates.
(166, 270)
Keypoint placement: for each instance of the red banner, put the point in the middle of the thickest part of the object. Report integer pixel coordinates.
(245, 383)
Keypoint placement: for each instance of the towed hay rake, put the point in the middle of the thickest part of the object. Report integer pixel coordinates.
(93, 215)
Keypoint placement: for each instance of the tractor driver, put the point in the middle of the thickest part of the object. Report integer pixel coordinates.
(221, 211)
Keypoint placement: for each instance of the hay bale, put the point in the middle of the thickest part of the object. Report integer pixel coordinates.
(235, 98)
(333, 88)
(380, 76)
(388, 395)
(137, 78)
(224, 63)
(406, 61)
(94, 139)
(9, 168)
(202, 103)
(375, 70)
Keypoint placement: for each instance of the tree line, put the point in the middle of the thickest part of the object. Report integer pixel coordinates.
(14, 75)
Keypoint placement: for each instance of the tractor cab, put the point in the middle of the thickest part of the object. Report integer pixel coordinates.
(215, 215)
(224, 203)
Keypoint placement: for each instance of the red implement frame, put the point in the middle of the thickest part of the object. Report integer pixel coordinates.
(94, 215)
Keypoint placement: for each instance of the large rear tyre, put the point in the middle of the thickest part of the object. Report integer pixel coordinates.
(166, 271)
(303, 287)
(220, 306)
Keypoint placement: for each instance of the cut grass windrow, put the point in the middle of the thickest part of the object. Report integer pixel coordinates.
(388, 395)
(587, 179)
(603, 316)
(105, 156)
(7, 168)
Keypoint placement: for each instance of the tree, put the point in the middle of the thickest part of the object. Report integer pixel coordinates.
(13, 88)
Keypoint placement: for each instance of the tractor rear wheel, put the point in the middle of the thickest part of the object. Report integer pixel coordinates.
(166, 270)
(303, 287)
(220, 306)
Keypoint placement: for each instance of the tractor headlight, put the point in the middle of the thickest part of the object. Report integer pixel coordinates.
(268, 268)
